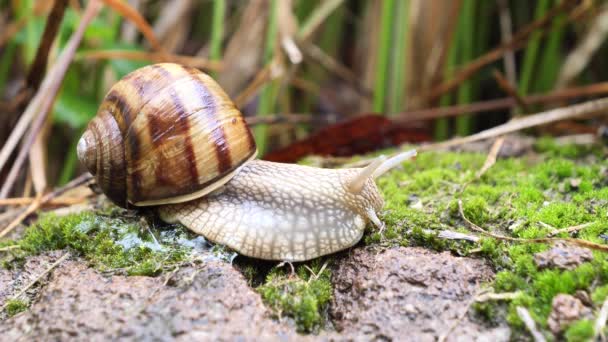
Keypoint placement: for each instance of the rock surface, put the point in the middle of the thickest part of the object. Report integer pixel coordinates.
(566, 309)
(409, 292)
(203, 302)
(12, 281)
(563, 257)
(388, 294)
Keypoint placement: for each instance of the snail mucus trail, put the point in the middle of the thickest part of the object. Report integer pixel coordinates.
(168, 136)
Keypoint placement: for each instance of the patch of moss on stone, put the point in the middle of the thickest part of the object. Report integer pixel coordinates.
(15, 306)
(303, 296)
(580, 331)
(526, 197)
(549, 146)
(111, 243)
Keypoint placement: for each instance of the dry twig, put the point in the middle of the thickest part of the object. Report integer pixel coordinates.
(138, 20)
(497, 296)
(491, 159)
(543, 118)
(600, 321)
(43, 100)
(37, 279)
(571, 229)
(82, 179)
(525, 317)
(503, 103)
(192, 61)
(518, 41)
(578, 242)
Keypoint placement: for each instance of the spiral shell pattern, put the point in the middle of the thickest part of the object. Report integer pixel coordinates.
(165, 133)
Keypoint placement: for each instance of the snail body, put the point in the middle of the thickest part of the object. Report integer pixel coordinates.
(176, 128)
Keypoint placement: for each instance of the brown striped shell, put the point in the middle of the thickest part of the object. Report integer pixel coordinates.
(165, 133)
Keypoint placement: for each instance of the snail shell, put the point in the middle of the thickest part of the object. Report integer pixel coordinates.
(165, 133)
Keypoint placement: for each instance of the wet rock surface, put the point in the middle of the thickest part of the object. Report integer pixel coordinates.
(565, 310)
(203, 302)
(409, 292)
(386, 294)
(13, 280)
(563, 257)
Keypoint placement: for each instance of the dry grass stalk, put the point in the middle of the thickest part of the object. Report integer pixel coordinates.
(578, 58)
(137, 19)
(485, 106)
(570, 229)
(497, 296)
(578, 242)
(37, 279)
(491, 159)
(525, 317)
(173, 24)
(192, 61)
(507, 86)
(571, 112)
(243, 53)
(43, 100)
(518, 41)
(600, 322)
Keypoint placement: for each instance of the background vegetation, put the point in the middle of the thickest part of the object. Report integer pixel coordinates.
(325, 61)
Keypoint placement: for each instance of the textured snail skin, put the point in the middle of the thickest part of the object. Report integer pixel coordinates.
(280, 211)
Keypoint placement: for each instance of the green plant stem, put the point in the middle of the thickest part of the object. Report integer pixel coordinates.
(217, 30)
(400, 36)
(269, 92)
(465, 51)
(527, 70)
(384, 49)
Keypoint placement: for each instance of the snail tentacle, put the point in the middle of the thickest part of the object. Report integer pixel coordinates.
(358, 182)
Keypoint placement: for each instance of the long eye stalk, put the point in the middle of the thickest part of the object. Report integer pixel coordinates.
(377, 168)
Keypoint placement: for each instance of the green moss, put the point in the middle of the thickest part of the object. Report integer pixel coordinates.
(524, 198)
(599, 295)
(15, 306)
(580, 331)
(118, 242)
(548, 146)
(303, 297)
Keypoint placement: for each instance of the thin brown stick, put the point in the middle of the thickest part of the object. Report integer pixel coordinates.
(192, 61)
(53, 22)
(503, 103)
(510, 90)
(460, 317)
(80, 180)
(29, 200)
(491, 159)
(336, 68)
(44, 98)
(259, 80)
(525, 317)
(280, 118)
(543, 118)
(9, 248)
(571, 229)
(37, 279)
(578, 242)
(498, 296)
(138, 20)
(600, 322)
(518, 41)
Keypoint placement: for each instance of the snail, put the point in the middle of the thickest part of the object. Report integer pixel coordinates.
(168, 136)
